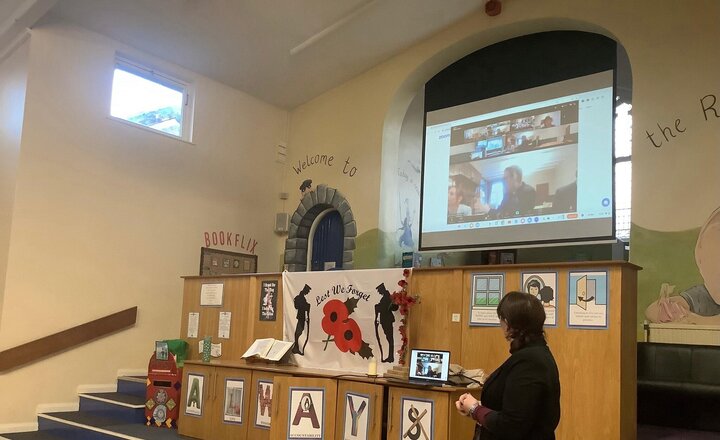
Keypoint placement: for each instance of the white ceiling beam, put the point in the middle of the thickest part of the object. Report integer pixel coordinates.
(332, 28)
(14, 29)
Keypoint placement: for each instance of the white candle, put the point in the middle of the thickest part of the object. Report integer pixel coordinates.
(372, 367)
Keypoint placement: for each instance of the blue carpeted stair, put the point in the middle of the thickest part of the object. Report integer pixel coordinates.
(102, 416)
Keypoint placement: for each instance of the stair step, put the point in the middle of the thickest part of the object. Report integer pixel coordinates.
(35, 435)
(135, 385)
(81, 425)
(127, 408)
(119, 399)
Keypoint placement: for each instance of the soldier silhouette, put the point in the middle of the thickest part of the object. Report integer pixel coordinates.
(384, 315)
(303, 317)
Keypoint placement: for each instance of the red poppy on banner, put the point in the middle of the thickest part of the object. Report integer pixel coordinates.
(342, 329)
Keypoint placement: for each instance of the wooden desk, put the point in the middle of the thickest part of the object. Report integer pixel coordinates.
(611, 390)
(216, 419)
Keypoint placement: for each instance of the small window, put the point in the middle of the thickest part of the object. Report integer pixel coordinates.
(623, 170)
(151, 99)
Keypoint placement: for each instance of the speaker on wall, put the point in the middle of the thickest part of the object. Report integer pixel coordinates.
(282, 221)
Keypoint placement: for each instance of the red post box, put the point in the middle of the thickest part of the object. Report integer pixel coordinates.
(163, 392)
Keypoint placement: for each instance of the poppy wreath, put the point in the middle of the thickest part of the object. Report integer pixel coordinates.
(404, 302)
(342, 329)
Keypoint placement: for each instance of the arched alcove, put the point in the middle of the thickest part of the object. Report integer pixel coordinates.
(312, 205)
(405, 114)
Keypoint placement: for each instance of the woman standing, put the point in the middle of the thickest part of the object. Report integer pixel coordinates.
(521, 399)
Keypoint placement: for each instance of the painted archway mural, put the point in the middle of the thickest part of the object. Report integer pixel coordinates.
(313, 203)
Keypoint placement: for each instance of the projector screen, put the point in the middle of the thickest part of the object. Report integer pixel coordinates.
(526, 168)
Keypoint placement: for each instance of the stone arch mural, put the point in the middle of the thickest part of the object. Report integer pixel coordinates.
(313, 203)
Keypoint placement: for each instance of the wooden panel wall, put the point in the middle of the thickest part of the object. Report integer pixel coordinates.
(241, 297)
(430, 324)
(597, 367)
(628, 355)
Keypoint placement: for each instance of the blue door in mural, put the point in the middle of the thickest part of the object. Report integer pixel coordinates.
(327, 245)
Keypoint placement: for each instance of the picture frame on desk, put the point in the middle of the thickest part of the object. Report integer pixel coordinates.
(491, 257)
(507, 257)
(220, 262)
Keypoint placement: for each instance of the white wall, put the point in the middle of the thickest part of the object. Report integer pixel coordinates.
(13, 81)
(108, 216)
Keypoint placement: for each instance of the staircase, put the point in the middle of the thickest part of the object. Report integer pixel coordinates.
(102, 416)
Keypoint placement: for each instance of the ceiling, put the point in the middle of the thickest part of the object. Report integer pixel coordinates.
(7, 7)
(284, 52)
(15, 17)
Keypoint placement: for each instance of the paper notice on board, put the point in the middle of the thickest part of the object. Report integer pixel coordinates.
(211, 294)
(193, 324)
(224, 325)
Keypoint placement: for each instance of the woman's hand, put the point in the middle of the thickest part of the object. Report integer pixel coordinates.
(464, 403)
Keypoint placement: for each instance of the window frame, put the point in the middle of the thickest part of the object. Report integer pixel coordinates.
(619, 160)
(164, 79)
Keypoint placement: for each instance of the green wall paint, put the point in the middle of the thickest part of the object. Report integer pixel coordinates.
(666, 257)
(367, 247)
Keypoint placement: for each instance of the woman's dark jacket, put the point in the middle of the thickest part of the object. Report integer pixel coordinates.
(524, 396)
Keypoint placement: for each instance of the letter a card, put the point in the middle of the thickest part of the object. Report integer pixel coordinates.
(305, 413)
(417, 419)
(357, 416)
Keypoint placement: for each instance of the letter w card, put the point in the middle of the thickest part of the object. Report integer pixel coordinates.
(305, 413)
(357, 416)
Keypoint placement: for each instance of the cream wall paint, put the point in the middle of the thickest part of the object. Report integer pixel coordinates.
(13, 82)
(671, 68)
(108, 216)
(127, 202)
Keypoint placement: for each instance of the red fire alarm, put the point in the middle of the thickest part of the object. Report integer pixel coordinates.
(493, 7)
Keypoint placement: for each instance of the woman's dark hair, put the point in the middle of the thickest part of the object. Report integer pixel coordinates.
(534, 283)
(525, 316)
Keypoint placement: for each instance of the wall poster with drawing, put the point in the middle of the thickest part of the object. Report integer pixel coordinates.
(234, 398)
(543, 285)
(487, 290)
(588, 300)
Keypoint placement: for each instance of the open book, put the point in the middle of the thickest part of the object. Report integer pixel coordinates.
(268, 349)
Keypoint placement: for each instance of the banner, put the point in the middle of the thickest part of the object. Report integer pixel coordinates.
(339, 320)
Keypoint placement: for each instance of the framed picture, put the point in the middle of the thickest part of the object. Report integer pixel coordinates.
(487, 289)
(234, 400)
(306, 415)
(491, 257)
(268, 300)
(588, 300)
(161, 350)
(264, 404)
(417, 418)
(219, 262)
(357, 416)
(544, 286)
(507, 257)
(195, 396)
